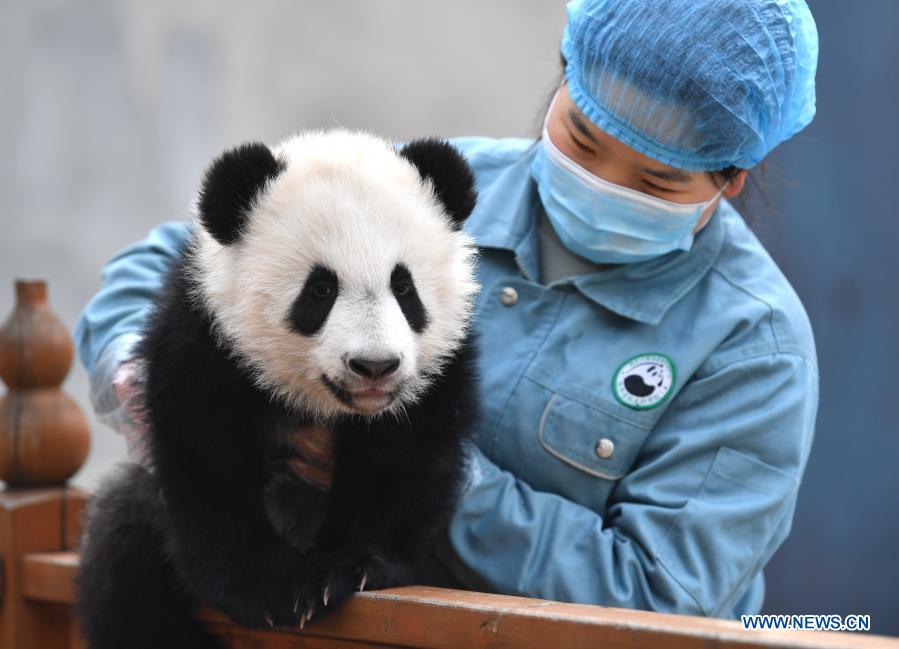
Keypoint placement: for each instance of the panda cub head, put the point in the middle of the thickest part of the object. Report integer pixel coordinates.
(335, 268)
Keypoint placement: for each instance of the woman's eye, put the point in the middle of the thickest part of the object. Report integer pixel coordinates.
(402, 288)
(321, 290)
(581, 146)
(656, 187)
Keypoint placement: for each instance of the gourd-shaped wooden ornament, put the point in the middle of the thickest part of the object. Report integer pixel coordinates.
(44, 437)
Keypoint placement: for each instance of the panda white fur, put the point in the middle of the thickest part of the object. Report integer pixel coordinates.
(327, 280)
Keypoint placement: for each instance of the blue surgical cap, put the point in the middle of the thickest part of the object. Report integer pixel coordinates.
(696, 84)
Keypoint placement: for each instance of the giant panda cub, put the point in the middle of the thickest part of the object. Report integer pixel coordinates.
(326, 281)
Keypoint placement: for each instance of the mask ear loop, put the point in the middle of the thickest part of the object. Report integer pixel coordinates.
(720, 192)
(712, 200)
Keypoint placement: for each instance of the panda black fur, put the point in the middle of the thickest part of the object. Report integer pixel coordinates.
(316, 269)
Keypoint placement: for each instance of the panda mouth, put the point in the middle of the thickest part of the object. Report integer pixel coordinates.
(350, 397)
(370, 393)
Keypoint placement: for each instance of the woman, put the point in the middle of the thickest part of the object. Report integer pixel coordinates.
(650, 377)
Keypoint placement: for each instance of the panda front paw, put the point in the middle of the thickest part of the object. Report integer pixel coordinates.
(337, 574)
(268, 591)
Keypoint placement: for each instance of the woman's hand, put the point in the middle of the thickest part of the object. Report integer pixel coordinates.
(314, 459)
(132, 421)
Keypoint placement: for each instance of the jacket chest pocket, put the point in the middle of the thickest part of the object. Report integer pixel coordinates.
(563, 445)
(588, 439)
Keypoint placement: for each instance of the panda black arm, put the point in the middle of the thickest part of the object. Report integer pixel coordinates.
(207, 450)
(396, 486)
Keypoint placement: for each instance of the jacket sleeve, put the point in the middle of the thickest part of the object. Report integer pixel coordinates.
(129, 281)
(709, 498)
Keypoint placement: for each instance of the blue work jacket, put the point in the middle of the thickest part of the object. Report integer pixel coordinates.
(646, 425)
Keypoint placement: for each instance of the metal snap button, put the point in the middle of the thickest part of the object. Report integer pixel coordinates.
(605, 447)
(508, 296)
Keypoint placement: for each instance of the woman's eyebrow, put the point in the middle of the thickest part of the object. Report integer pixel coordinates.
(672, 175)
(580, 126)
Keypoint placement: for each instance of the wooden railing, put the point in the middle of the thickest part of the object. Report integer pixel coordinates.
(39, 529)
(42, 440)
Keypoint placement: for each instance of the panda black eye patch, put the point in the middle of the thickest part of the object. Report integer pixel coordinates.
(311, 307)
(407, 297)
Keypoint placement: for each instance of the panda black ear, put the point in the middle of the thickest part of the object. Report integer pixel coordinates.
(450, 173)
(231, 185)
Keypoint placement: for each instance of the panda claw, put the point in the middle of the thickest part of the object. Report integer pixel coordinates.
(296, 605)
(326, 595)
(268, 620)
(362, 583)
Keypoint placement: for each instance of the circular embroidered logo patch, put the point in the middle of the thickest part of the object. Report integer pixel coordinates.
(644, 381)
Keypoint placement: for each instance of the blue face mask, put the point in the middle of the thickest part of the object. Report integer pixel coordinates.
(605, 222)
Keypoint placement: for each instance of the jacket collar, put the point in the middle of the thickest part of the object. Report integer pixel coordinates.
(506, 217)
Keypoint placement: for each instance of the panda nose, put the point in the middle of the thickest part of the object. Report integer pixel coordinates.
(372, 369)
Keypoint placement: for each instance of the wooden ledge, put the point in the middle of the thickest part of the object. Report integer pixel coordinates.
(426, 618)
(49, 576)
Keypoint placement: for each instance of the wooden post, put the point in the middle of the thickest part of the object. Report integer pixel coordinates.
(35, 520)
(44, 440)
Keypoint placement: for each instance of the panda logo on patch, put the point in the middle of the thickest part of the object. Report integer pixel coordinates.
(644, 381)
